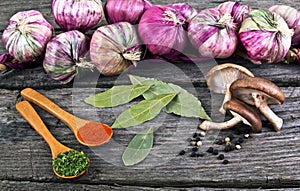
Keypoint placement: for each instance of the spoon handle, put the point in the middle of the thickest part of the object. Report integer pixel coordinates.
(29, 113)
(35, 97)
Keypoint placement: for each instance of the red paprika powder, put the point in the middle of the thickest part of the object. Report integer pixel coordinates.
(94, 133)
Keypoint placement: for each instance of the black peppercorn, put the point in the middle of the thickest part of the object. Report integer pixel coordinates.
(195, 149)
(225, 161)
(193, 154)
(237, 142)
(210, 150)
(197, 139)
(215, 152)
(195, 135)
(182, 152)
(231, 136)
(221, 157)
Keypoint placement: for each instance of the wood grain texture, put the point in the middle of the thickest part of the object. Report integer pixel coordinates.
(267, 160)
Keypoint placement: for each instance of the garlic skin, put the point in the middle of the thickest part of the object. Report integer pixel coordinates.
(213, 33)
(80, 15)
(265, 36)
(125, 10)
(64, 54)
(26, 35)
(292, 18)
(115, 48)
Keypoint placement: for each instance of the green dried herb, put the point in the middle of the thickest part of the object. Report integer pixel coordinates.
(117, 95)
(70, 163)
(185, 103)
(143, 111)
(138, 148)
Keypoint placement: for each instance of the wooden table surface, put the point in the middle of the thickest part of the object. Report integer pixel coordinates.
(267, 160)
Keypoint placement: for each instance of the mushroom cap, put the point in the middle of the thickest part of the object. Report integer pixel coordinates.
(248, 114)
(244, 88)
(221, 76)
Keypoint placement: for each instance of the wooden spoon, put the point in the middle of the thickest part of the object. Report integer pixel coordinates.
(88, 133)
(28, 112)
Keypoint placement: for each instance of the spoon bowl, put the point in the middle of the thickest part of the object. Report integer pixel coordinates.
(88, 133)
(29, 113)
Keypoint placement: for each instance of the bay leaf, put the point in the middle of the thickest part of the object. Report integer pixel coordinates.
(143, 111)
(116, 95)
(158, 87)
(184, 104)
(138, 148)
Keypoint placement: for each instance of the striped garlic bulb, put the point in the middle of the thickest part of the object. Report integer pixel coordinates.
(265, 36)
(26, 35)
(80, 15)
(292, 18)
(65, 53)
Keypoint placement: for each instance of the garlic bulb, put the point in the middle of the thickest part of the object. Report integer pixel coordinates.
(125, 11)
(26, 36)
(265, 36)
(80, 15)
(213, 33)
(115, 48)
(292, 18)
(163, 28)
(65, 53)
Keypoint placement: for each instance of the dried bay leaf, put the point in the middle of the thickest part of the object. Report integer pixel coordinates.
(117, 95)
(138, 148)
(143, 111)
(184, 104)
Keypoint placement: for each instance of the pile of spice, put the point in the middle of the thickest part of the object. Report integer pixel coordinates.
(221, 146)
(70, 163)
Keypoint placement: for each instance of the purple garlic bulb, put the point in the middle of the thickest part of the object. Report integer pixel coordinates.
(163, 28)
(213, 33)
(80, 15)
(115, 48)
(65, 53)
(125, 10)
(26, 36)
(265, 36)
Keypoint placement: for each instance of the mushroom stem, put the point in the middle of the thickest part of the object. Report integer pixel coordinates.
(227, 97)
(207, 125)
(261, 104)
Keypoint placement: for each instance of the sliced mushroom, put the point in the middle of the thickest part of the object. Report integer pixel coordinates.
(220, 77)
(241, 112)
(261, 93)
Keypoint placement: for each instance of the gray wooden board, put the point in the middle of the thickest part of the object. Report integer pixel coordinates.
(267, 160)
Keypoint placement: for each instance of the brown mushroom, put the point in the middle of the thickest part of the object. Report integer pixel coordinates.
(261, 93)
(220, 77)
(241, 112)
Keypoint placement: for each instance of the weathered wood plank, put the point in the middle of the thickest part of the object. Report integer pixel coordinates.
(269, 159)
(27, 185)
(281, 74)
